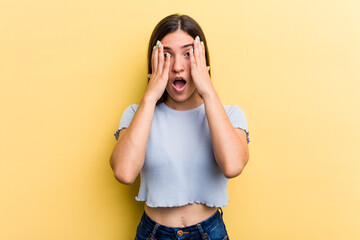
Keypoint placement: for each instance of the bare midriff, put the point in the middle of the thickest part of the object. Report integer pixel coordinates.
(183, 216)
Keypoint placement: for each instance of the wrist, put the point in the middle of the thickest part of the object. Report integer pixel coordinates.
(148, 99)
(209, 95)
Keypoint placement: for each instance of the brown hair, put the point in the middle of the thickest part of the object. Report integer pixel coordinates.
(171, 24)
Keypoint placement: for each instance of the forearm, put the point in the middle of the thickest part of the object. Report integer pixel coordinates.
(230, 150)
(128, 156)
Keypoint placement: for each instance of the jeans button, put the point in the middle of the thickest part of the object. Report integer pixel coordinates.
(180, 233)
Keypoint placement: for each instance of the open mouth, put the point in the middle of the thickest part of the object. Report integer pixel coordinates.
(179, 84)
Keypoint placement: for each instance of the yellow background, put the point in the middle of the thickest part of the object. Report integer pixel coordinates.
(68, 69)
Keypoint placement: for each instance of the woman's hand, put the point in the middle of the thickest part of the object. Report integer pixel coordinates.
(199, 70)
(160, 66)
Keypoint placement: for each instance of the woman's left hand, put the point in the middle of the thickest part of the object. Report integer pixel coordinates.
(199, 70)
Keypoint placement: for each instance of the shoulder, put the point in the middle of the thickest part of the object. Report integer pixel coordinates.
(237, 118)
(233, 110)
(129, 112)
(132, 108)
(126, 118)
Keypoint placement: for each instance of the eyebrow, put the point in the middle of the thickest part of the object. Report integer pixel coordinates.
(185, 46)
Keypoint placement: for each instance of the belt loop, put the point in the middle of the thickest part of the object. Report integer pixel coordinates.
(152, 235)
(221, 211)
(203, 235)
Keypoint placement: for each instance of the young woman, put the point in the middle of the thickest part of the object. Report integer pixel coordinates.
(185, 143)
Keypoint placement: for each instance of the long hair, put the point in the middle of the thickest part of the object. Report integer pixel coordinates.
(171, 24)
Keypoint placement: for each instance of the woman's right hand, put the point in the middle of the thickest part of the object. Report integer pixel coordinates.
(160, 65)
(128, 156)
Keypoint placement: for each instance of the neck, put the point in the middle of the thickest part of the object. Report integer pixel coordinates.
(192, 102)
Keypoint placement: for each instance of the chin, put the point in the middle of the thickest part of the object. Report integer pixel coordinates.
(179, 98)
(185, 96)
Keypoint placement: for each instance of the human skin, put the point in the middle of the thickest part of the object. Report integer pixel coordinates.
(229, 144)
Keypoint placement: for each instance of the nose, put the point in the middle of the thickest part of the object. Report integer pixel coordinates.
(178, 65)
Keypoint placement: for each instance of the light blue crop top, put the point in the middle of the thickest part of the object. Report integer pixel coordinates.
(180, 167)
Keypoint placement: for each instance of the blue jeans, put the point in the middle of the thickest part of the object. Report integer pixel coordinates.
(212, 228)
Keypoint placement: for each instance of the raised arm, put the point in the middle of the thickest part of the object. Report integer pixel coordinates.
(127, 158)
(230, 144)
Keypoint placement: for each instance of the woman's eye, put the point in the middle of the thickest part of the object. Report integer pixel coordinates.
(187, 54)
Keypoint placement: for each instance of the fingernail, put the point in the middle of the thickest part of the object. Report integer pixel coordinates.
(197, 39)
(167, 54)
(192, 50)
(202, 43)
(149, 76)
(158, 43)
(154, 47)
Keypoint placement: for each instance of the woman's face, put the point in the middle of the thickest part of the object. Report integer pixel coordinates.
(180, 88)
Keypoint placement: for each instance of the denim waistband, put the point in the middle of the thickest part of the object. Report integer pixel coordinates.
(203, 226)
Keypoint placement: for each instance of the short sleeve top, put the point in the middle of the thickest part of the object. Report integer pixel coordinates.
(180, 166)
